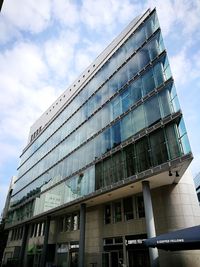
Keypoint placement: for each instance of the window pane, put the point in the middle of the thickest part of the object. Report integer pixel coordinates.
(183, 137)
(152, 110)
(144, 58)
(107, 172)
(116, 108)
(116, 134)
(107, 214)
(68, 223)
(158, 148)
(172, 141)
(158, 73)
(133, 66)
(142, 155)
(127, 127)
(140, 207)
(148, 82)
(131, 46)
(130, 160)
(122, 76)
(106, 140)
(138, 119)
(140, 37)
(126, 100)
(98, 175)
(117, 212)
(136, 90)
(164, 98)
(117, 167)
(128, 208)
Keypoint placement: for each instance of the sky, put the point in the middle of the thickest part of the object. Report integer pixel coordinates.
(45, 45)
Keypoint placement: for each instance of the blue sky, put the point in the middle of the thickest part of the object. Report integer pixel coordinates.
(45, 45)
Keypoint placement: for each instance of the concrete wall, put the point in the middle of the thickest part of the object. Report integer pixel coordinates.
(176, 207)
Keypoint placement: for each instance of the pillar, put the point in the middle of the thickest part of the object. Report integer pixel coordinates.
(124, 252)
(45, 243)
(81, 254)
(150, 224)
(23, 246)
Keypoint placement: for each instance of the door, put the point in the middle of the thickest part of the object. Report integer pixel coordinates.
(111, 259)
(138, 258)
(114, 259)
(73, 259)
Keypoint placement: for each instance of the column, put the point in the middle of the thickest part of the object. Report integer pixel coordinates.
(124, 251)
(23, 246)
(45, 243)
(81, 254)
(150, 224)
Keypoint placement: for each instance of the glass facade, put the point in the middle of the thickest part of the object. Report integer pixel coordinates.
(76, 154)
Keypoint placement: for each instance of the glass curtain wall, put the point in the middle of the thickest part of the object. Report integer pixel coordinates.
(113, 107)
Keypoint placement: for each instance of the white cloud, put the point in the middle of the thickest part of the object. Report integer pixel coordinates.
(105, 14)
(7, 30)
(187, 12)
(28, 15)
(66, 11)
(181, 67)
(59, 52)
(82, 60)
(23, 62)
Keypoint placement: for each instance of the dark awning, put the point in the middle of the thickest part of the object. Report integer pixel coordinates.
(184, 239)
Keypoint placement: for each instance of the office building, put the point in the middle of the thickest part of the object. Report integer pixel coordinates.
(105, 165)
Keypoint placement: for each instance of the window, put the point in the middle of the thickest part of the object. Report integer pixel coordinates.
(142, 155)
(136, 90)
(75, 221)
(172, 141)
(158, 72)
(152, 110)
(108, 241)
(138, 119)
(143, 56)
(148, 82)
(133, 66)
(116, 134)
(127, 127)
(126, 100)
(117, 167)
(117, 211)
(68, 221)
(164, 98)
(116, 108)
(130, 160)
(61, 224)
(128, 208)
(183, 137)
(107, 214)
(140, 207)
(106, 142)
(158, 147)
(118, 240)
(123, 76)
(154, 48)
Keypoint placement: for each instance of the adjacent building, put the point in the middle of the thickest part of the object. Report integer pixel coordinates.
(105, 165)
(197, 185)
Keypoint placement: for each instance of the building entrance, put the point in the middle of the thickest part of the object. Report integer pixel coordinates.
(73, 259)
(138, 258)
(112, 259)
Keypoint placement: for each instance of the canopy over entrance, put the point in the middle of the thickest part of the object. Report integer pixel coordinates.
(184, 239)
